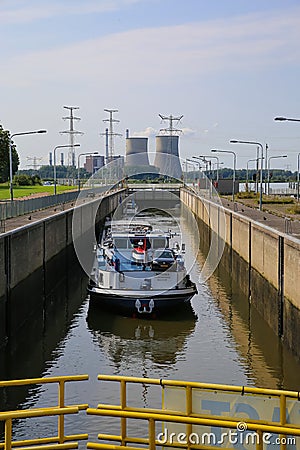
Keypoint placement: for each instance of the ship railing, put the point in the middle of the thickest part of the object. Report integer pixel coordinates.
(61, 440)
(190, 420)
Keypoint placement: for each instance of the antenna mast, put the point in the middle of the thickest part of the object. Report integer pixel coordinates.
(171, 130)
(110, 134)
(71, 132)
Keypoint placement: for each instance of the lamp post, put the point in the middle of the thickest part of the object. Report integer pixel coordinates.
(266, 167)
(281, 119)
(187, 163)
(247, 171)
(10, 158)
(54, 160)
(214, 157)
(78, 173)
(218, 163)
(234, 141)
(272, 157)
(203, 159)
(199, 166)
(234, 166)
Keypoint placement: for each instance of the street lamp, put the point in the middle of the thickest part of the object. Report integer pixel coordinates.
(298, 162)
(206, 162)
(272, 157)
(234, 141)
(234, 166)
(187, 162)
(10, 158)
(78, 174)
(195, 162)
(247, 171)
(214, 157)
(266, 165)
(54, 160)
(218, 163)
(281, 119)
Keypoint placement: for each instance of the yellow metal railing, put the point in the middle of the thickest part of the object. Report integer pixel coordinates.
(60, 441)
(184, 415)
(188, 417)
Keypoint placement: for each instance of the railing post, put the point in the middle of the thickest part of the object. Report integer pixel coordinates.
(189, 409)
(8, 433)
(282, 420)
(123, 407)
(152, 445)
(259, 440)
(61, 417)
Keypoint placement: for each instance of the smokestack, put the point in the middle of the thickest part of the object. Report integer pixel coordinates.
(61, 159)
(127, 133)
(137, 151)
(50, 159)
(167, 156)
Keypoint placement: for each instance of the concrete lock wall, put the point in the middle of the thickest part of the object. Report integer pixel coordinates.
(266, 265)
(24, 253)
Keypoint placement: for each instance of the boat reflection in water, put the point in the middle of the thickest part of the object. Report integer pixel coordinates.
(136, 346)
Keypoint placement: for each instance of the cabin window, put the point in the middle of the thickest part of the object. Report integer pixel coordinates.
(121, 243)
(100, 278)
(159, 243)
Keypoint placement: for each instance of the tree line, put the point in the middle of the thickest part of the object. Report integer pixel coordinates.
(4, 155)
(279, 175)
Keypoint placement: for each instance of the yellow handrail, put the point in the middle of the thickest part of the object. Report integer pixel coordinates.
(194, 384)
(60, 410)
(188, 417)
(253, 426)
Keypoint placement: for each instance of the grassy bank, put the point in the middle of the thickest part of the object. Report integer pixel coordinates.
(27, 191)
(283, 206)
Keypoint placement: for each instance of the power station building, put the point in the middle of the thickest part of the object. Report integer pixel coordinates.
(136, 151)
(167, 156)
(93, 163)
(166, 160)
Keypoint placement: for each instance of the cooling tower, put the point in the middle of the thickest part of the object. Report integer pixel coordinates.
(137, 151)
(167, 156)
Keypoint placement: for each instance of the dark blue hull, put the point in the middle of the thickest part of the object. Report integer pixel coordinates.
(146, 307)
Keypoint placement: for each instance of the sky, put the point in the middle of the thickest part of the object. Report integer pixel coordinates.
(228, 66)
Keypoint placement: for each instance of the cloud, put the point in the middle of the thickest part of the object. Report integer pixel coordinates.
(188, 132)
(138, 56)
(212, 128)
(148, 132)
(21, 11)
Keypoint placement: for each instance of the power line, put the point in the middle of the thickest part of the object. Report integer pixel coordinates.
(171, 130)
(71, 132)
(34, 160)
(110, 134)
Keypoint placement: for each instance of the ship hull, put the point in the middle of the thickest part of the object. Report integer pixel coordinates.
(141, 304)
